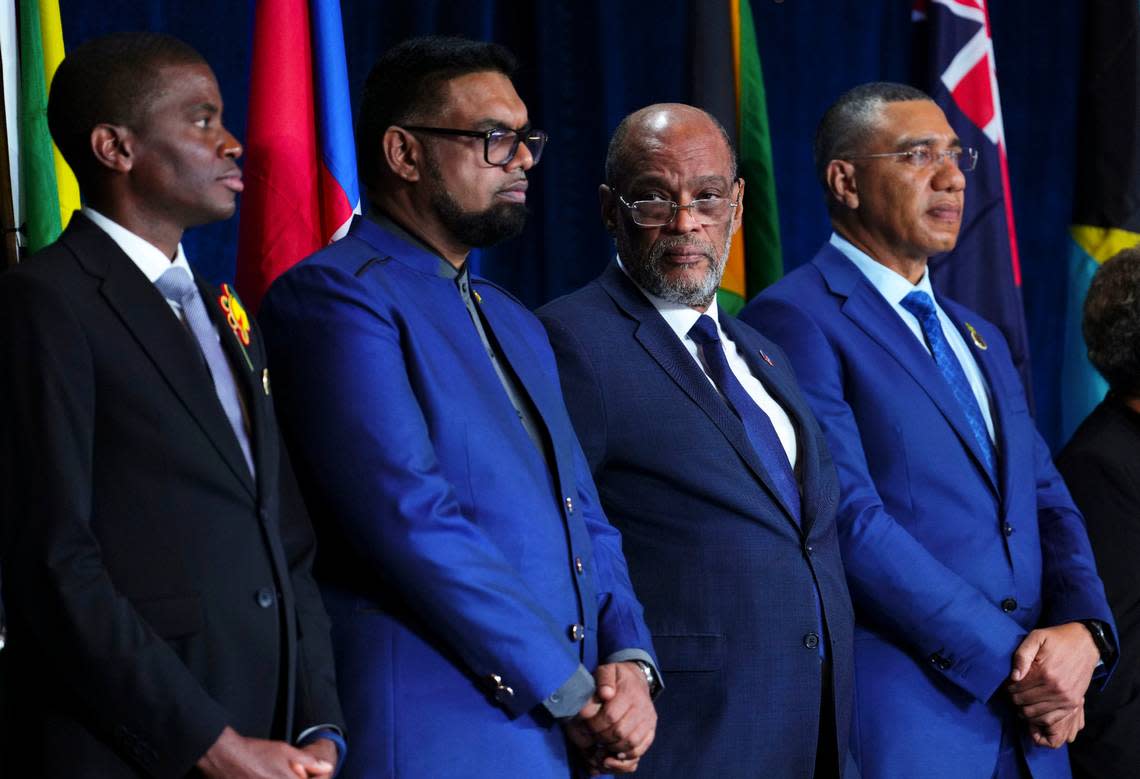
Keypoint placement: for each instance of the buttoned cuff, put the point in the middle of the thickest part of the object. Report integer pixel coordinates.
(568, 700)
(333, 734)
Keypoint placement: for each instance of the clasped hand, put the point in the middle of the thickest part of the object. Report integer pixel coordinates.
(616, 726)
(1052, 669)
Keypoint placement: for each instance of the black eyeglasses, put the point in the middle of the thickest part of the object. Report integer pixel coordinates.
(499, 145)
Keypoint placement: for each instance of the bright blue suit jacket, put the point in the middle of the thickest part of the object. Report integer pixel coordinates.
(728, 577)
(948, 570)
(450, 550)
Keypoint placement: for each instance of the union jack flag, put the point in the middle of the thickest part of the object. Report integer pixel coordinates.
(954, 62)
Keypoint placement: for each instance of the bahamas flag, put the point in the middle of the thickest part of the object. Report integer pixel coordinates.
(47, 185)
(755, 259)
(300, 162)
(1106, 203)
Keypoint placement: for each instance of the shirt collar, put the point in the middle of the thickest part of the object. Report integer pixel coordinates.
(148, 257)
(679, 317)
(890, 284)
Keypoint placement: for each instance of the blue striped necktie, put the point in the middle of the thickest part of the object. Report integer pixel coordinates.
(922, 306)
(177, 286)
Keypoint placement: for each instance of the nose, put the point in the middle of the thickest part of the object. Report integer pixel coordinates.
(684, 221)
(948, 177)
(230, 146)
(523, 159)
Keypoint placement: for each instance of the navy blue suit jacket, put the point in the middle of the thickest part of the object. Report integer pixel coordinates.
(727, 576)
(948, 570)
(451, 550)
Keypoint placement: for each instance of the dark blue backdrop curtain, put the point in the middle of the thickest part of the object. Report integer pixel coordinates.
(586, 63)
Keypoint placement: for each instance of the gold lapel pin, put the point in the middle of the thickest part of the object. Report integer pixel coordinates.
(978, 340)
(265, 380)
(477, 296)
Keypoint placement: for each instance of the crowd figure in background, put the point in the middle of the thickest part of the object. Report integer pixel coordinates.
(1102, 471)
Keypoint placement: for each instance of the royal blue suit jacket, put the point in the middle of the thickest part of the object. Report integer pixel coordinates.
(948, 570)
(450, 550)
(727, 576)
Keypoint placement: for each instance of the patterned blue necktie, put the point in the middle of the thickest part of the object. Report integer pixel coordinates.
(921, 305)
(759, 427)
(176, 285)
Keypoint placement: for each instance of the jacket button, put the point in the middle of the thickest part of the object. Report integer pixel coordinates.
(938, 661)
(1008, 605)
(811, 640)
(808, 549)
(569, 505)
(577, 632)
(578, 565)
(265, 597)
(1008, 529)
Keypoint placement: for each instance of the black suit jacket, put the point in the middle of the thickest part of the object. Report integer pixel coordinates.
(1101, 466)
(155, 591)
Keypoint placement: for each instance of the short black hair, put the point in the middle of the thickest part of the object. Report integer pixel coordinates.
(404, 85)
(618, 160)
(110, 79)
(1111, 321)
(848, 123)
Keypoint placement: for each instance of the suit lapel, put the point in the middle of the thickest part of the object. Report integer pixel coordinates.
(780, 385)
(162, 337)
(869, 311)
(662, 344)
(537, 385)
(999, 394)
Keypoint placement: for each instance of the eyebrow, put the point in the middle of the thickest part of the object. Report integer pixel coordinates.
(489, 123)
(929, 140)
(654, 180)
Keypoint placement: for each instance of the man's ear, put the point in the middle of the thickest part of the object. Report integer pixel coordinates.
(607, 199)
(113, 147)
(738, 212)
(842, 183)
(402, 152)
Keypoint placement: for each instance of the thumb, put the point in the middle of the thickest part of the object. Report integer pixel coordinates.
(304, 763)
(606, 678)
(1025, 654)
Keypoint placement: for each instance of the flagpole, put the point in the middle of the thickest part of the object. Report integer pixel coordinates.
(7, 202)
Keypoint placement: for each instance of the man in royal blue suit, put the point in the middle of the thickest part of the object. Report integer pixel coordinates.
(708, 459)
(975, 590)
(482, 612)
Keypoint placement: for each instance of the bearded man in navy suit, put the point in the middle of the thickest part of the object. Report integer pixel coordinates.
(708, 459)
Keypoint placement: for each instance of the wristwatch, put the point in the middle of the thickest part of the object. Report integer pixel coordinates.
(1100, 638)
(650, 677)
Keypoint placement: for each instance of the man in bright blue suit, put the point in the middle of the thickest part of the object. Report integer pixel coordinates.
(482, 612)
(976, 595)
(708, 460)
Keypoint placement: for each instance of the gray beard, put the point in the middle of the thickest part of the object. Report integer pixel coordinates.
(650, 276)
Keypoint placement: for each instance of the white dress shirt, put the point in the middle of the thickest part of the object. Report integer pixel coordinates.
(894, 288)
(681, 319)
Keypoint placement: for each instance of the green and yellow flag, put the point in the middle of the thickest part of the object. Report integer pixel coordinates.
(727, 81)
(49, 187)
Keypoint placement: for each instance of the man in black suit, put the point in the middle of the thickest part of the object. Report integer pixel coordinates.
(162, 616)
(1101, 466)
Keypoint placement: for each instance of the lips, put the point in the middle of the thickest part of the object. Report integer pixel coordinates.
(232, 181)
(946, 212)
(516, 193)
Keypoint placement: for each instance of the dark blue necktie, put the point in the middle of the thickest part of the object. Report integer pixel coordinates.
(759, 427)
(921, 305)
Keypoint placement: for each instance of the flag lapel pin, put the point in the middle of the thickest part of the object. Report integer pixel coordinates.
(977, 337)
(767, 359)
